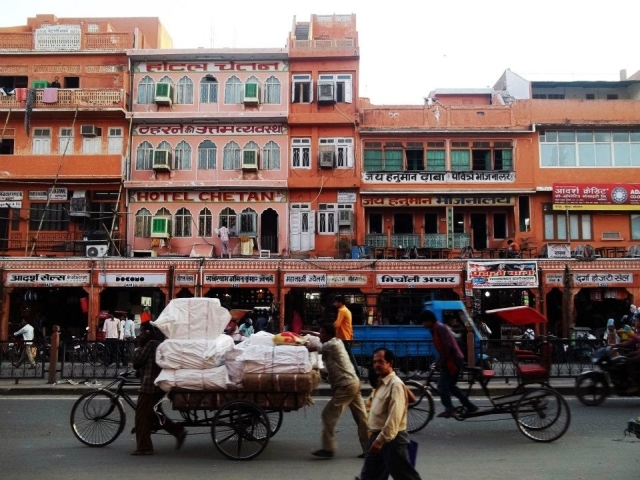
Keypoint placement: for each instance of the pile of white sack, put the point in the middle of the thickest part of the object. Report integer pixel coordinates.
(198, 355)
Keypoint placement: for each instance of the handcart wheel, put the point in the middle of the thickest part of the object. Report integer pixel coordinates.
(240, 430)
(542, 414)
(97, 418)
(421, 411)
(275, 420)
(591, 390)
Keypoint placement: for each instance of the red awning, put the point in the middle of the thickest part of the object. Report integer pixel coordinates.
(519, 315)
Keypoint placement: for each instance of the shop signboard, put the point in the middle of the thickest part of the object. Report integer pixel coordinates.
(188, 279)
(596, 196)
(433, 280)
(128, 279)
(47, 279)
(336, 280)
(301, 279)
(503, 274)
(239, 279)
(601, 279)
(558, 250)
(554, 278)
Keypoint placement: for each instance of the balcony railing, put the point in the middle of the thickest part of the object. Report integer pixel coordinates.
(55, 243)
(325, 44)
(430, 240)
(20, 41)
(73, 97)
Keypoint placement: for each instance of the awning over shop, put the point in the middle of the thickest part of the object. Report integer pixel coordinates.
(519, 315)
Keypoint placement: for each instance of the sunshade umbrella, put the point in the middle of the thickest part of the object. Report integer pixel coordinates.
(519, 315)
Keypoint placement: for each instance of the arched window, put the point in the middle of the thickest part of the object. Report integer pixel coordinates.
(272, 90)
(182, 160)
(184, 91)
(248, 223)
(209, 90)
(231, 157)
(142, 227)
(144, 156)
(207, 155)
(182, 223)
(270, 156)
(205, 223)
(227, 219)
(164, 145)
(163, 212)
(146, 90)
(233, 91)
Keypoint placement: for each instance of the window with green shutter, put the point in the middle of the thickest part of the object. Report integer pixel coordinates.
(393, 160)
(460, 160)
(436, 161)
(372, 160)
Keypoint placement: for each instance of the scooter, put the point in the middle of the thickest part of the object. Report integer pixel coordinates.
(610, 377)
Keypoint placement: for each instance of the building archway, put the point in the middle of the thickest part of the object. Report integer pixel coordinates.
(269, 230)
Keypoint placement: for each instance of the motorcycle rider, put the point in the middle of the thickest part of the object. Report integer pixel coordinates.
(633, 358)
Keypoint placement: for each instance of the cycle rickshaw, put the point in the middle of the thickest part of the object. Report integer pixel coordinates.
(540, 413)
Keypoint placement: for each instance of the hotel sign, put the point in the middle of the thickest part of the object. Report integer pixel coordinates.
(160, 67)
(208, 197)
(163, 130)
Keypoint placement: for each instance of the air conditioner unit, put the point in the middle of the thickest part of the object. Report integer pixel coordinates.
(80, 205)
(90, 131)
(251, 93)
(325, 157)
(97, 250)
(163, 94)
(162, 160)
(346, 218)
(160, 227)
(143, 253)
(326, 92)
(250, 159)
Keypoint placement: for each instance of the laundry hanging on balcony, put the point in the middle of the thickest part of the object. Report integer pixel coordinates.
(50, 95)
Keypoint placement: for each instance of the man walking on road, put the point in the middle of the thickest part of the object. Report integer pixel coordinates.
(346, 392)
(112, 333)
(344, 327)
(450, 362)
(388, 452)
(27, 352)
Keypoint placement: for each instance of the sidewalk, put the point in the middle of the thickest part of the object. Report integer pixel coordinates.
(32, 387)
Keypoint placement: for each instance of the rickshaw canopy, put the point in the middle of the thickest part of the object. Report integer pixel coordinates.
(518, 315)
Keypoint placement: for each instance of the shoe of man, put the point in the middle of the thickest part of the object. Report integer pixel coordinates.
(445, 414)
(472, 409)
(180, 439)
(322, 453)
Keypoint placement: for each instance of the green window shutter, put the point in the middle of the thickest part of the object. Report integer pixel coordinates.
(507, 160)
(393, 160)
(251, 90)
(460, 160)
(162, 89)
(372, 160)
(436, 161)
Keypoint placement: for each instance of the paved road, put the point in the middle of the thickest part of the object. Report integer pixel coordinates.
(35, 437)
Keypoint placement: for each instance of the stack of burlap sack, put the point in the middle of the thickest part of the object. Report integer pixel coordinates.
(198, 355)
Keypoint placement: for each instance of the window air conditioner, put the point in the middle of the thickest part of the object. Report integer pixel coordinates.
(90, 131)
(101, 250)
(326, 157)
(160, 227)
(143, 253)
(326, 92)
(79, 205)
(251, 93)
(162, 160)
(163, 94)
(346, 218)
(250, 159)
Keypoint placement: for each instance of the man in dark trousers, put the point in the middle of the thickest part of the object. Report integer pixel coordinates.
(346, 392)
(388, 452)
(144, 360)
(450, 362)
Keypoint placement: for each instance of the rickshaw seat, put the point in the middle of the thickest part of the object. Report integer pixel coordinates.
(531, 373)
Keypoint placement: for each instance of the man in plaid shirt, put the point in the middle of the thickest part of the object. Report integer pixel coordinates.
(144, 360)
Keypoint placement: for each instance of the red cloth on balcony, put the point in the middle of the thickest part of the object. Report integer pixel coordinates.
(21, 94)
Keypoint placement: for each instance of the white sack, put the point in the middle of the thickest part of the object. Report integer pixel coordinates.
(235, 368)
(195, 354)
(210, 379)
(193, 318)
(275, 359)
(260, 338)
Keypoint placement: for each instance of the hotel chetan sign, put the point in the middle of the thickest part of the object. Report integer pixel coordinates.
(156, 196)
(596, 196)
(180, 129)
(231, 66)
(437, 200)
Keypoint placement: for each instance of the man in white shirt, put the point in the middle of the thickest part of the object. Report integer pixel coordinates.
(223, 233)
(27, 336)
(112, 331)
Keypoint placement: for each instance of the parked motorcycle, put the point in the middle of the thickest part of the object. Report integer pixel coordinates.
(610, 377)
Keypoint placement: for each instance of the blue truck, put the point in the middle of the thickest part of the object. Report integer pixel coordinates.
(413, 341)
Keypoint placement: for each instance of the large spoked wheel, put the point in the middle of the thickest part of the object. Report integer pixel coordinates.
(97, 418)
(421, 411)
(240, 430)
(591, 390)
(275, 420)
(542, 415)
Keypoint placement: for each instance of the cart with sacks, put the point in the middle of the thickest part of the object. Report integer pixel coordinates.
(239, 391)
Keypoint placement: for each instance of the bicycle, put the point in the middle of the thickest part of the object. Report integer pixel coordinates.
(541, 414)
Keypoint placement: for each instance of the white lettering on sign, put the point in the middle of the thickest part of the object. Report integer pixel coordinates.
(444, 279)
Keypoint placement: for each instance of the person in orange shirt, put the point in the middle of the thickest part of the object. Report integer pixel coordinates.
(513, 249)
(145, 316)
(344, 328)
